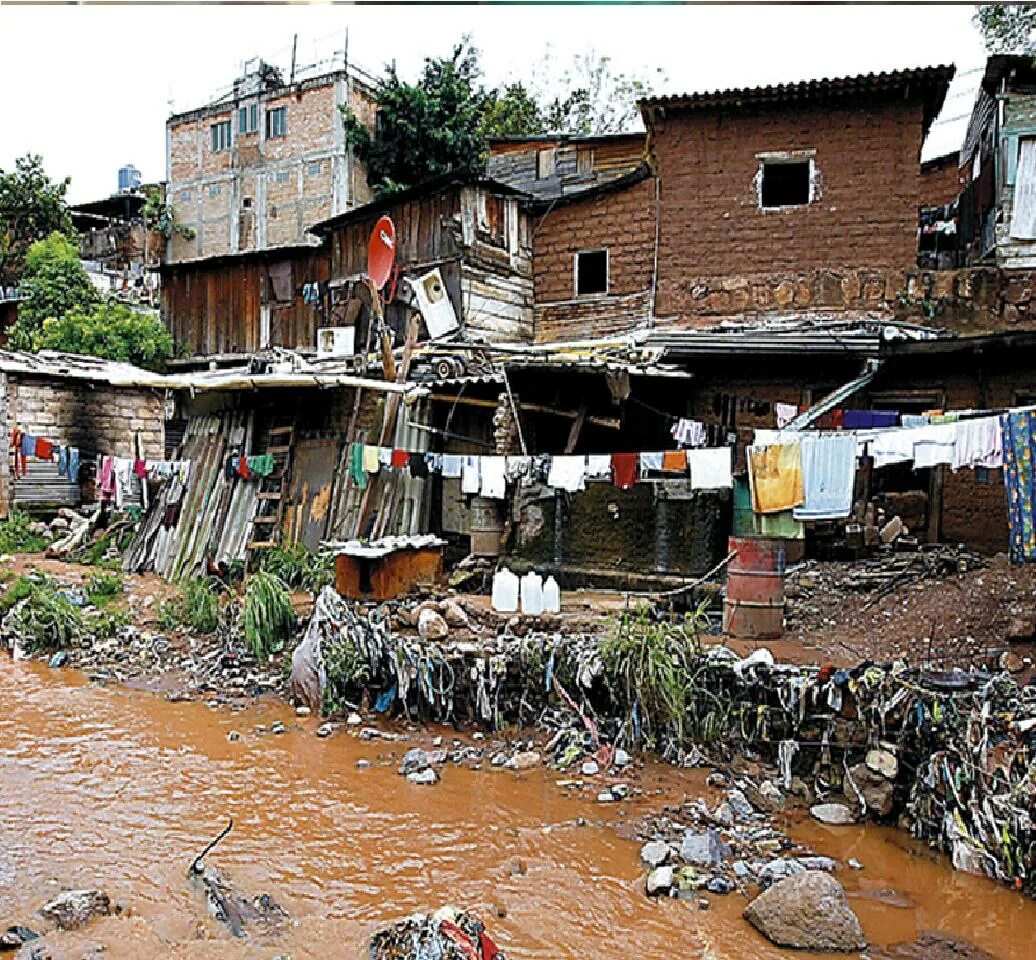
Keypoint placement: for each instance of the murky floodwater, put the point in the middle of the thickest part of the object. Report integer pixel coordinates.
(119, 789)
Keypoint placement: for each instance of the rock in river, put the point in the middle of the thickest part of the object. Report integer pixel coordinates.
(659, 881)
(76, 908)
(834, 814)
(807, 912)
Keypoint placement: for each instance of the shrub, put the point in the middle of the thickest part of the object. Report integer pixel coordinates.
(299, 567)
(196, 608)
(112, 331)
(47, 620)
(267, 617)
(16, 537)
(101, 588)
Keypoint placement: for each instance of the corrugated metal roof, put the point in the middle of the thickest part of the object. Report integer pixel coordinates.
(72, 366)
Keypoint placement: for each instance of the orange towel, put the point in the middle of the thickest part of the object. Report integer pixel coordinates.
(674, 461)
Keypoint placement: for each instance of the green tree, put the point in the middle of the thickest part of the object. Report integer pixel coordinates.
(1007, 27)
(32, 206)
(512, 111)
(424, 129)
(112, 331)
(55, 282)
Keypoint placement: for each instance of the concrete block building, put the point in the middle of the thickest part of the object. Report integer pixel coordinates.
(254, 168)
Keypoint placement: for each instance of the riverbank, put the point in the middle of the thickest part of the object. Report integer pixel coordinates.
(118, 788)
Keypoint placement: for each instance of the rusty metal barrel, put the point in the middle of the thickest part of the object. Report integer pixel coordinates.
(754, 604)
(487, 527)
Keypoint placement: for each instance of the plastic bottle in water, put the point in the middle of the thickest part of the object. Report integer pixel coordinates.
(505, 591)
(551, 596)
(532, 594)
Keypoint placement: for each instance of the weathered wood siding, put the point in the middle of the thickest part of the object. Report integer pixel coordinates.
(215, 307)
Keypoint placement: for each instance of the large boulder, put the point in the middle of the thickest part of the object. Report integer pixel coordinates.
(808, 911)
(76, 908)
(877, 792)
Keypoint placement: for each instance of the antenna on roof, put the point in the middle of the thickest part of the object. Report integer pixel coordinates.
(294, 46)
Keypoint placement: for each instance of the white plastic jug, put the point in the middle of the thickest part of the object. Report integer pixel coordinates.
(532, 594)
(505, 591)
(551, 596)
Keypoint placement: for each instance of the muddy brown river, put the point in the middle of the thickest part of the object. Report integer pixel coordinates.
(103, 786)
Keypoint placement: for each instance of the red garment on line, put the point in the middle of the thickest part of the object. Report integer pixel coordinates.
(400, 458)
(242, 468)
(139, 468)
(624, 469)
(44, 449)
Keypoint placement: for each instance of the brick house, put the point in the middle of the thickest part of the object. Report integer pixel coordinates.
(762, 200)
(254, 168)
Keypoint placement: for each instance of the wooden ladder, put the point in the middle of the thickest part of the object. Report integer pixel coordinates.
(273, 490)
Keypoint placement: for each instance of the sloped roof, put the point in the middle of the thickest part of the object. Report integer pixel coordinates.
(931, 81)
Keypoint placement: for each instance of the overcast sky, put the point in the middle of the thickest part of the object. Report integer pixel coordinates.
(90, 88)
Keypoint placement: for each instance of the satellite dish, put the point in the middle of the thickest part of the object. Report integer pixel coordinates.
(381, 253)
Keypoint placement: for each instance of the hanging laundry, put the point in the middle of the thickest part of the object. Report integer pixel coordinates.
(1019, 444)
(356, 472)
(935, 445)
(689, 433)
(710, 468)
(978, 443)
(674, 461)
(44, 449)
(625, 467)
(242, 468)
(913, 420)
(889, 446)
(106, 477)
(519, 468)
(599, 467)
(868, 419)
(399, 459)
(19, 457)
(434, 461)
(371, 461)
(493, 477)
(140, 468)
(28, 445)
(567, 473)
(73, 464)
(452, 466)
(385, 456)
(63, 461)
(418, 466)
(650, 462)
(124, 477)
(470, 479)
(786, 412)
(828, 475)
(261, 464)
(775, 475)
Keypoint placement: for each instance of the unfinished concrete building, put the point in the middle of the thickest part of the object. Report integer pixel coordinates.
(255, 167)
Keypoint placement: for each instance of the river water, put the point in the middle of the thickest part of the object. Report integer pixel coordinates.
(109, 787)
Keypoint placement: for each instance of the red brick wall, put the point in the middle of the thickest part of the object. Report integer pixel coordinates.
(865, 214)
(624, 223)
(939, 183)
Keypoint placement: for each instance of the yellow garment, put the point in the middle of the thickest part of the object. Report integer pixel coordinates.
(776, 476)
(371, 459)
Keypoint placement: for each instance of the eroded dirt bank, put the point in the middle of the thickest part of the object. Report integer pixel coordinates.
(116, 788)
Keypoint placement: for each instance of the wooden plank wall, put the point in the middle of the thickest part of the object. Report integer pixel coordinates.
(215, 308)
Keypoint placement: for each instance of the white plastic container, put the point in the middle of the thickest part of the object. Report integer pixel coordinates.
(551, 596)
(505, 591)
(532, 594)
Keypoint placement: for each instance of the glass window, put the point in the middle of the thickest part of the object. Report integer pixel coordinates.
(220, 136)
(248, 118)
(277, 122)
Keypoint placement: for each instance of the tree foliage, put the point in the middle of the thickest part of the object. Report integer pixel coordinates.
(1008, 27)
(55, 283)
(32, 206)
(112, 331)
(442, 122)
(424, 129)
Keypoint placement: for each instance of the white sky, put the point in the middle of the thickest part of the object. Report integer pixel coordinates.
(90, 88)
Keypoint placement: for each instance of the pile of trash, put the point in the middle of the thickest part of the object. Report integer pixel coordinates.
(493, 679)
(447, 934)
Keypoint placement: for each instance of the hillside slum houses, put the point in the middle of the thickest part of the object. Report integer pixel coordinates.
(607, 355)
